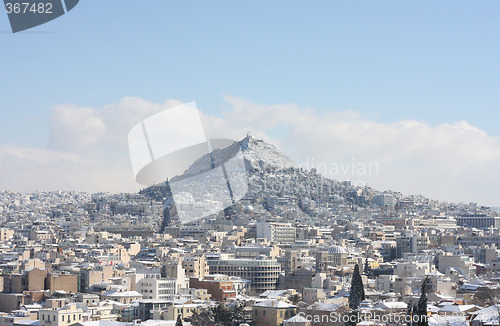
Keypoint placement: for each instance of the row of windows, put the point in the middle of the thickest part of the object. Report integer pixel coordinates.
(249, 269)
(62, 316)
(166, 285)
(169, 291)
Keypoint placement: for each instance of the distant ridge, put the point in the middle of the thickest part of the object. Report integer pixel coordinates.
(273, 174)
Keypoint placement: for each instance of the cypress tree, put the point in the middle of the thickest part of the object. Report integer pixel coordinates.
(414, 315)
(357, 293)
(409, 313)
(179, 321)
(422, 305)
(368, 269)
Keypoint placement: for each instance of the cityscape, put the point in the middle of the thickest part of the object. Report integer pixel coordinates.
(249, 163)
(289, 253)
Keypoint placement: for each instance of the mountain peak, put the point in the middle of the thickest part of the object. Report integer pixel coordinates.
(261, 154)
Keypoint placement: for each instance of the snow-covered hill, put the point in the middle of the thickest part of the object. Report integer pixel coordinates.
(259, 155)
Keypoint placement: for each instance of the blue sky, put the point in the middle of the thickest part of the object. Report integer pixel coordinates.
(431, 61)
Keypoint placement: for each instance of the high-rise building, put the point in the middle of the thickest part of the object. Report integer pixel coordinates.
(263, 274)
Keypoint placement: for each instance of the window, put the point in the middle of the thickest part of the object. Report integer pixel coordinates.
(54, 318)
(62, 317)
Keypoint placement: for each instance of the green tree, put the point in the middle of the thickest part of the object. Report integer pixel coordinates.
(357, 293)
(295, 299)
(409, 313)
(219, 315)
(203, 317)
(414, 315)
(179, 321)
(368, 269)
(222, 314)
(422, 305)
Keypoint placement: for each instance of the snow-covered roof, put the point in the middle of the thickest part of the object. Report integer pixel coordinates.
(27, 322)
(488, 314)
(274, 304)
(103, 323)
(117, 294)
(274, 294)
(449, 320)
(296, 319)
(391, 305)
(324, 306)
(457, 308)
(471, 287)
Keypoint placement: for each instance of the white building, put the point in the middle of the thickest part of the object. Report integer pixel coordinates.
(385, 283)
(276, 232)
(462, 263)
(60, 317)
(157, 288)
(262, 273)
(413, 269)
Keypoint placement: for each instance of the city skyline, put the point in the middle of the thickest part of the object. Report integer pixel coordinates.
(87, 149)
(232, 163)
(409, 87)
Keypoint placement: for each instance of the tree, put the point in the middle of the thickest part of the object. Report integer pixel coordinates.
(179, 321)
(368, 269)
(414, 313)
(422, 305)
(357, 293)
(219, 315)
(295, 299)
(203, 317)
(222, 315)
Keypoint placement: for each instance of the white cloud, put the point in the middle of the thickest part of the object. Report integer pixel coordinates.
(88, 149)
(73, 128)
(30, 169)
(455, 162)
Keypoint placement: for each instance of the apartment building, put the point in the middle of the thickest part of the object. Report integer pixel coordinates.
(61, 317)
(276, 232)
(263, 274)
(220, 289)
(157, 288)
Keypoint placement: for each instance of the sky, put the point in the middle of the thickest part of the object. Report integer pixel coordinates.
(408, 87)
